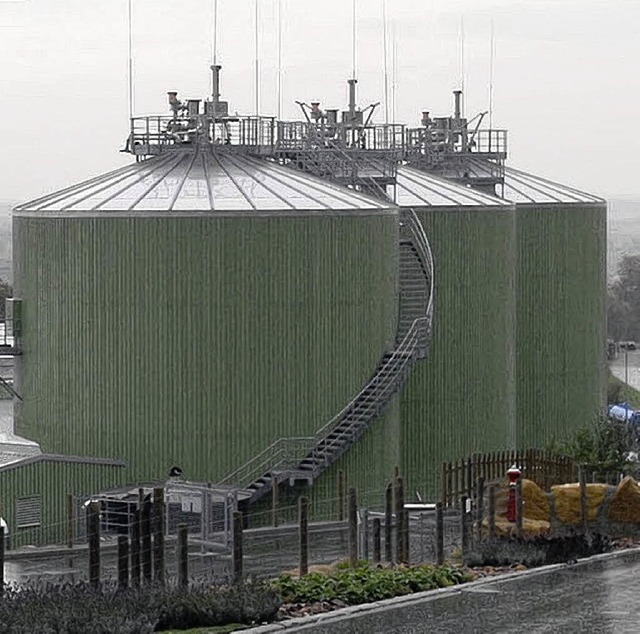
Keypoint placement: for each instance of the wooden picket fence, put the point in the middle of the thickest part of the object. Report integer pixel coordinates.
(546, 469)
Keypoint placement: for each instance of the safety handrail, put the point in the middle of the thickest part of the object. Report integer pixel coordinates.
(278, 456)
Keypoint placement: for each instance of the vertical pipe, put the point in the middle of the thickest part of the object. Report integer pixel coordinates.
(279, 87)
(70, 531)
(274, 501)
(377, 541)
(491, 61)
(130, 60)
(2, 549)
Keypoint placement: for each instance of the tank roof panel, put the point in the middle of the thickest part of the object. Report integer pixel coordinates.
(415, 188)
(203, 181)
(521, 187)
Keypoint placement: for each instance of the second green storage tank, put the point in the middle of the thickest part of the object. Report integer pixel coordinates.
(462, 398)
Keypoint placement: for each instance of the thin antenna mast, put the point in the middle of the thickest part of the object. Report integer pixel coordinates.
(354, 39)
(394, 71)
(257, 43)
(491, 61)
(130, 67)
(279, 78)
(462, 78)
(386, 67)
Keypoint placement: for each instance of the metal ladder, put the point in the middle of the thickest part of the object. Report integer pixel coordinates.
(306, 458)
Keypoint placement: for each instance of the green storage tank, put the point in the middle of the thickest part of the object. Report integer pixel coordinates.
(561, 313)
(461, 400)
(191, 309)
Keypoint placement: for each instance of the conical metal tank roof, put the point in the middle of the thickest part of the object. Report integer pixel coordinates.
(523, 188)
(203, 181)
(415, 188)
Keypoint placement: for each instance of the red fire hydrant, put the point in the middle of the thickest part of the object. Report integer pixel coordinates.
(513, 474)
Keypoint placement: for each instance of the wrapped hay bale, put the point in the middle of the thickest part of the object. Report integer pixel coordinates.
(535, 502)
(625, 505)
(566, 500)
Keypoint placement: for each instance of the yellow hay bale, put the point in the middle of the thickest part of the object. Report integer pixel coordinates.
(535, 502)
(625, 505)
(530, 528)
(566, 499)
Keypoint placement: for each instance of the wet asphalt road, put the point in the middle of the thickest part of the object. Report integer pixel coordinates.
(572, 600)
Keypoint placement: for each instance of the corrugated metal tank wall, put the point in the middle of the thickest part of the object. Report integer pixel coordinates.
(561, 324)
(197, 341)
(462, 398)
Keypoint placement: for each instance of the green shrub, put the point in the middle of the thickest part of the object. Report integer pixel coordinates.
(365, 583)
(75, 609)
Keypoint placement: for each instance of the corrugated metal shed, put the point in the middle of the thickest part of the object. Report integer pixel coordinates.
(203, 181)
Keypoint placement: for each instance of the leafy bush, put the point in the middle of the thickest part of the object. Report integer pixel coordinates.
(78, 608)
(538, 551)
(365, 583)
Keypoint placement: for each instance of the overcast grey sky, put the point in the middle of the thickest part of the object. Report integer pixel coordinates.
(567, 84)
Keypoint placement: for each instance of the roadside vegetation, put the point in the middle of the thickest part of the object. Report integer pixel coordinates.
(366, 583)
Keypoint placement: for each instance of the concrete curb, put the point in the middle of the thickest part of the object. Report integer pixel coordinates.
(626, 556)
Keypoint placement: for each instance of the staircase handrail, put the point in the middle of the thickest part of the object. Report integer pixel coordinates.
(277, 457)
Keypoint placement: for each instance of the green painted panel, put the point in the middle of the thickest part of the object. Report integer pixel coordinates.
(461, 399)
(52, 481)
(197, 341)
(561, 291)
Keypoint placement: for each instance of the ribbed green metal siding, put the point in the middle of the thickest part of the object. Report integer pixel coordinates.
(53, 481)
(561, 290)
(461, 399)
(197, 341)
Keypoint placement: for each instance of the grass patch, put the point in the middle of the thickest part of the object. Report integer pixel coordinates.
(618, 392)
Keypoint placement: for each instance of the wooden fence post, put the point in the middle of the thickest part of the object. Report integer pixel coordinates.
(94, 543)
(70, 527)
(376, 541)
(274, 501)
(583, 501)
(492, 512)
(464, 528)
(365, 535)
(303, 515)
(237, 547)
(519, 507)
(123, 562)
(135, 550)
(341, 495)
(439, 535)
(404, 537)
(479, 508)
(399, 507)
(183, 555)
(353, 527)
(158, 534)
(145, 540)
(388, 521)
